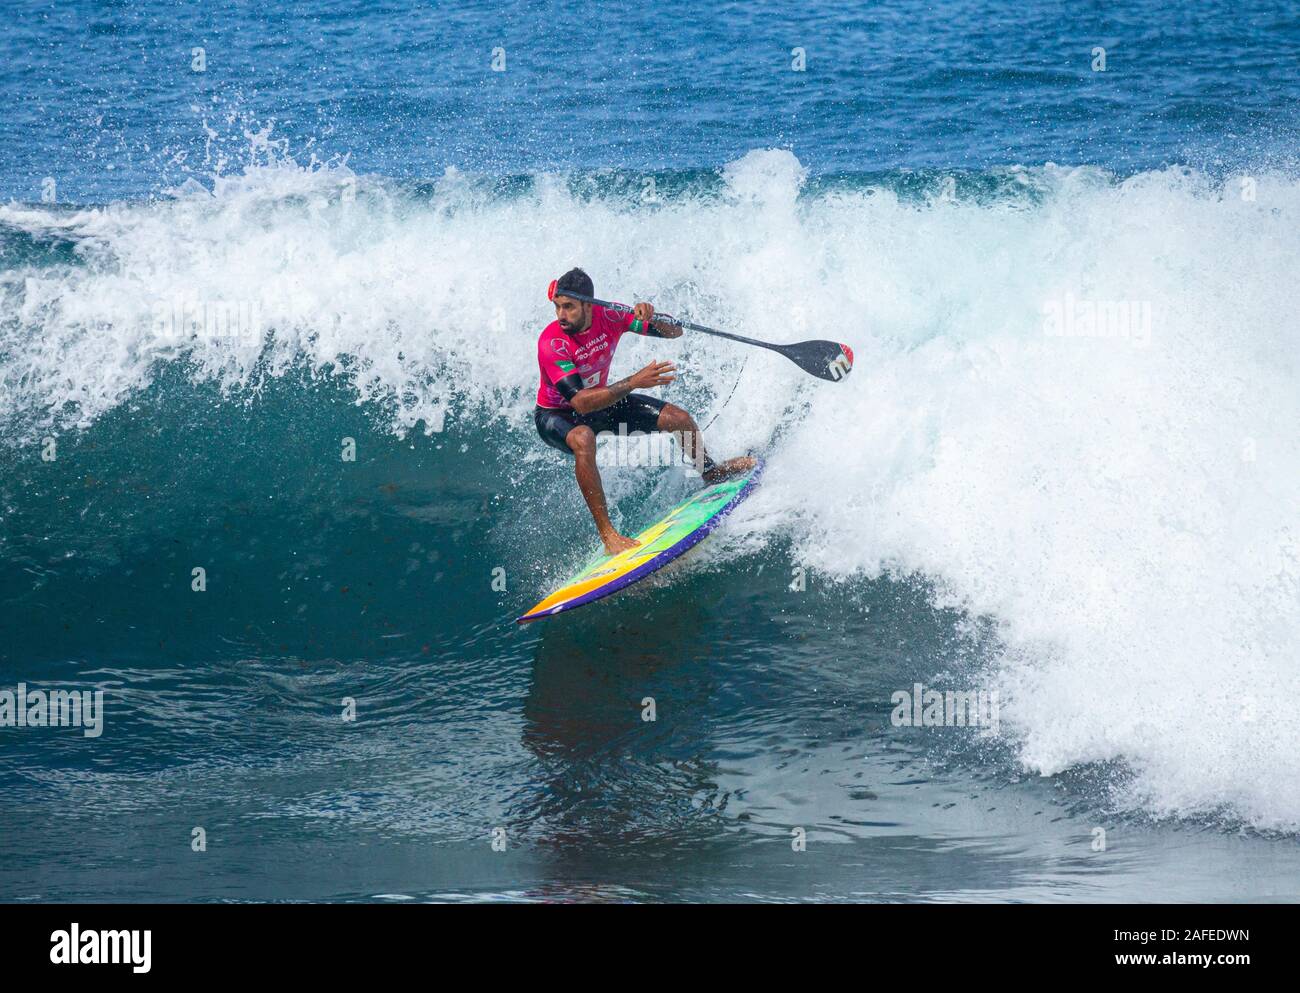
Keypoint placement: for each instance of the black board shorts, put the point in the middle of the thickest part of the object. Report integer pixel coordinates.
(637, 410)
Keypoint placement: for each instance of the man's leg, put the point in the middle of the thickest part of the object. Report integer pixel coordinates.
(673, 418)
(582, 442)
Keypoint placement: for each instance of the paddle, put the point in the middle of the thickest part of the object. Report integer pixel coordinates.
(823, 359)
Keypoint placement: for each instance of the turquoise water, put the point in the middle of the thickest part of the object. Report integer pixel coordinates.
(1099, 528)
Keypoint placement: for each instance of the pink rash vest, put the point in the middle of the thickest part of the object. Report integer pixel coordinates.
(588, 354)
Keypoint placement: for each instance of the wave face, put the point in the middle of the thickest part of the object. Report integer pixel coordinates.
(1072, 417)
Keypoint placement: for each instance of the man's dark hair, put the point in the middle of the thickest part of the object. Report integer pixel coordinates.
(576, 281)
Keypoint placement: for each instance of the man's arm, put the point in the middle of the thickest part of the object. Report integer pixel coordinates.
(599, 397)
(656, 329)
(645, 313)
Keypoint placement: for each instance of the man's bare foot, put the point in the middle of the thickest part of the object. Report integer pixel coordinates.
(732, 467)
(615, 543)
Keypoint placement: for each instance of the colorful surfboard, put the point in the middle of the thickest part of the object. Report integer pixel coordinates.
(685, 526)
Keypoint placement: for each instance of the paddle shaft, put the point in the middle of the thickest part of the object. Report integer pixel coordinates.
(669, 319)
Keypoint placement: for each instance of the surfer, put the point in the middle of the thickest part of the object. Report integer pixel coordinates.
(575, 401)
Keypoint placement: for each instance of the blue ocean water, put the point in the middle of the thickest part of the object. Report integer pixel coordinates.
(236, 239)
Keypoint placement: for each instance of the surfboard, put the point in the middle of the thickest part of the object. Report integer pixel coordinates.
(685, 526)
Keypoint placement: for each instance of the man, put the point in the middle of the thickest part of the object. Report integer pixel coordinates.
(576, 401)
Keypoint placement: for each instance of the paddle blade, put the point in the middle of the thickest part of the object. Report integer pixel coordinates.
(823, 359)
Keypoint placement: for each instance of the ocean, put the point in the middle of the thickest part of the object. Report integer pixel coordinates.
(271, 282)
